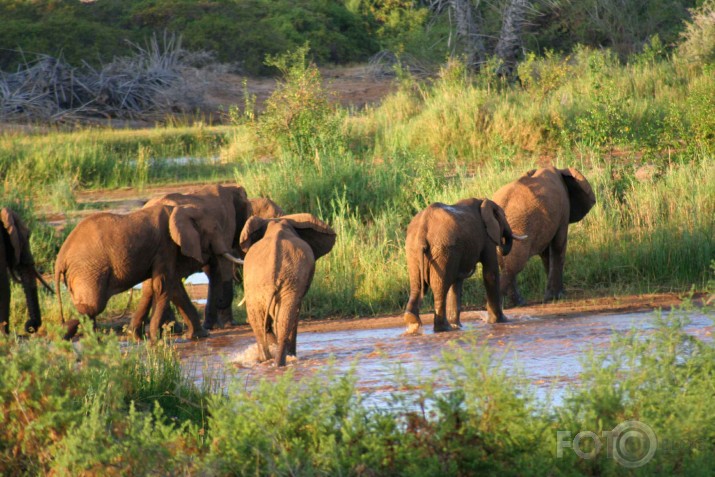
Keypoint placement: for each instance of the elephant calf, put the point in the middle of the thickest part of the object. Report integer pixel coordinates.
(444, 244)
(16, 261)
(542, 203)
(109, 253)
(278, 270)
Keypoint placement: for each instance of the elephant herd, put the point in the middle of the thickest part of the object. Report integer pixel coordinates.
(216, 227)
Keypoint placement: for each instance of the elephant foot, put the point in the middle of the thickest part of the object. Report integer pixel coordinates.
(554, 296)
(196, 334)
(32, 326)
(441, 327)
(225, 318)
(413, 322)
(71, 328)
(516, 300)
(494, 318)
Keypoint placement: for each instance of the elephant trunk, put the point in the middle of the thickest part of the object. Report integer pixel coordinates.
(507, 242)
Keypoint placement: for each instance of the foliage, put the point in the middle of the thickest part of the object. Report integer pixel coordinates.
(69, 410)
(93, 409)
(298, 115)
(698, 40)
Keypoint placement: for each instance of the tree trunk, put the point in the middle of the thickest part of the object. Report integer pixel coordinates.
(509, 44)
(468, 28)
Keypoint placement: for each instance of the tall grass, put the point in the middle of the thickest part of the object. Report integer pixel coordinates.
(109, 158)
(368, 173)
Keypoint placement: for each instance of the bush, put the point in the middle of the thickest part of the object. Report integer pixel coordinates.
(698, 40)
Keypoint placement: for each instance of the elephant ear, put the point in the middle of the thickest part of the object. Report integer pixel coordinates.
(187, 226)
(266, 208)
(185, 233)
(315, 232)
(252, 232)
(16, 230)
(581, 194)
(241, 205)
(491, 215)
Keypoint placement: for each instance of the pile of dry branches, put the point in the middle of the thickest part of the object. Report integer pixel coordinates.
(151, 81)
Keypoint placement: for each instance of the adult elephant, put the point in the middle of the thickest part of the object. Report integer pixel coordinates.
(230, 207)
(109, 253)
(444, 244)
(16, 261)
(542, 203)
(278, 271)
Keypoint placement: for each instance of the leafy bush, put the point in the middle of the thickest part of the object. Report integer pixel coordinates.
(298, 115)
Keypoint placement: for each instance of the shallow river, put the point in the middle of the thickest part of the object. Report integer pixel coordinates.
(546, 349)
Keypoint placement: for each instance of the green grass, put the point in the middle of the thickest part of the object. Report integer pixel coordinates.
(368, 173)
(107, 409)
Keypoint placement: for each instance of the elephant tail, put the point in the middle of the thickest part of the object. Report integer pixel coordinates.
(267, 315)
(59, 274)
(423, 275)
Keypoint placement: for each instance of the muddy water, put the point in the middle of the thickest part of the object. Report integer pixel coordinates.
(546, 349)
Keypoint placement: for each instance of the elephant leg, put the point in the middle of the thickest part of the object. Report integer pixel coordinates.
(161, 301)
(141, 314)
(292, 341)
(284, 324)
(557, 258)
(454, 304)
(510, 268)
(439, 291)
(224, 311)
(29, 286)
(5, 296)
(188, 312)
(412, 310)
(490, 275)
(214, 293)
(257, 320)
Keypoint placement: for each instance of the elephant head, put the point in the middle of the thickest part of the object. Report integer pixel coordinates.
(315, 232)
(21, 266)
(198, 235)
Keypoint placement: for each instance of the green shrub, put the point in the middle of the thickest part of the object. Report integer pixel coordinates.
(698, 40)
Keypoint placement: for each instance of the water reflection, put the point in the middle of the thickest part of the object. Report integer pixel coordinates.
(546, 350)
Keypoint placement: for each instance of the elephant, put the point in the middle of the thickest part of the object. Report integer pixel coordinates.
(109, 253)
(443, 245)
(16, 261)
(542, 203)
(279, 267)
(230, 206)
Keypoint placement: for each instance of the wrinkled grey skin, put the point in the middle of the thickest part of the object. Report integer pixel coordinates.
(109, 253)
(278, 270)
(16, 261)
(230, 206)
(444, 244)
(541, 204)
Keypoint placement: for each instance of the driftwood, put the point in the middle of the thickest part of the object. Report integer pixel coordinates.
(152, 80)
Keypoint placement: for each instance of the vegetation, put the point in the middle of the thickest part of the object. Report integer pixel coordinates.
(115, 410)
(243, 32)
(99, 407)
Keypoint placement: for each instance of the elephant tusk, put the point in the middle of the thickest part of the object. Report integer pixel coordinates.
(520, 237)
(231, 258)
(42, 280)
(242, 301)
